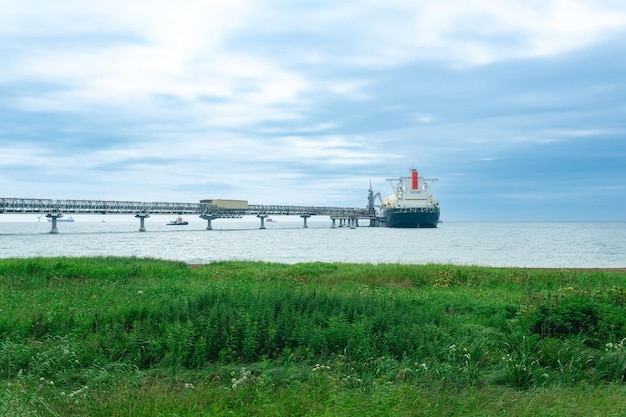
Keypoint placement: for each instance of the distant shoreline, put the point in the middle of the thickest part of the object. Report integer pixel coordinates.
(199, 265)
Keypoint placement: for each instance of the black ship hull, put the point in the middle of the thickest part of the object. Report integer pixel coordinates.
(410, 218)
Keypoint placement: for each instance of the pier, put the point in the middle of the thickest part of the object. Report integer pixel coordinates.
(56, 209)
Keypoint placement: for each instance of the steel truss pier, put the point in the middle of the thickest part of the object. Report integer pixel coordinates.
(55, 209)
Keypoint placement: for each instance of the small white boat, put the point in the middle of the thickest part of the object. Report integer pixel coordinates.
(62, 219)
(178, 222)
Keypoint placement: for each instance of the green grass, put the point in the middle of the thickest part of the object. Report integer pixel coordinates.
(128, 336)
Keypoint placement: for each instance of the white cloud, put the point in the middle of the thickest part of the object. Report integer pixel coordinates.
(425, 118)
(326, 150)
(485, 31)
(141, 49)
(580, 133)
(22, 155)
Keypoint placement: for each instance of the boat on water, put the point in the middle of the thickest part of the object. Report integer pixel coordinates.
(178, 222)
(63, 219)
(411, 205)
(270, 220)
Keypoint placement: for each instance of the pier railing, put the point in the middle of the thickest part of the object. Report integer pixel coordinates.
(50, 206)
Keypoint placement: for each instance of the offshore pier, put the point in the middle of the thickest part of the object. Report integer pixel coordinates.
(410, 206)
(207, 210)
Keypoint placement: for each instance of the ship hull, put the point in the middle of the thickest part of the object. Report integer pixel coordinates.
(410, 218)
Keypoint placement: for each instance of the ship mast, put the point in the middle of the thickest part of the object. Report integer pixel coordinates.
(371, 200)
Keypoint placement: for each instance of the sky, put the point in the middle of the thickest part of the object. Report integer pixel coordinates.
(517, 108)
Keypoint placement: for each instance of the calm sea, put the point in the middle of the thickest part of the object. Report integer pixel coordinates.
(555, 245)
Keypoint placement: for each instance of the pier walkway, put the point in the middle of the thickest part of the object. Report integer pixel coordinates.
(55, 209)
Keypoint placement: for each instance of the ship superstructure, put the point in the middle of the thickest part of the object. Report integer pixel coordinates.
(411, 204)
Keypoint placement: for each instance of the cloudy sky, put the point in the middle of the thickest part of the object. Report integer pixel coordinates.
(517, 107)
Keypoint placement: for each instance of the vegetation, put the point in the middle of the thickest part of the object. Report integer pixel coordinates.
(145, 337)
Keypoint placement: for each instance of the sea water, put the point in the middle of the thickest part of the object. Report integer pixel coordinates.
(516, 244)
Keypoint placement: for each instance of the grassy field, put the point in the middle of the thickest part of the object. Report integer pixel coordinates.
(145, 337)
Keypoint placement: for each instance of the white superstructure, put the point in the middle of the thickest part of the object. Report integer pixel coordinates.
(409, 192)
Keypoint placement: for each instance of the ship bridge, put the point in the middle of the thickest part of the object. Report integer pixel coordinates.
(55, 209)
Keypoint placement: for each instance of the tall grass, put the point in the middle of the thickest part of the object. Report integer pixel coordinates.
(262, 332)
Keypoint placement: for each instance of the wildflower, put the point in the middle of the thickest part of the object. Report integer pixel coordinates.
(78, 391)
(189, 385)
(139, 292)
(245, 377)
(614, 346)
(319, 367)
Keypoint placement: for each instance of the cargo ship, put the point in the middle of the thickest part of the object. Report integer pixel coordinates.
(411, 205)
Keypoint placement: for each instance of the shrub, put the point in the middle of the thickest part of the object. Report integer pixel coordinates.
(571, 317)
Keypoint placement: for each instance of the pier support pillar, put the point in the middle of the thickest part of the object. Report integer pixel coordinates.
(142, 221)
(333, 226)
(208, 221)
(353, 223)
(262, 217)
(304, 217)
(54, 217)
